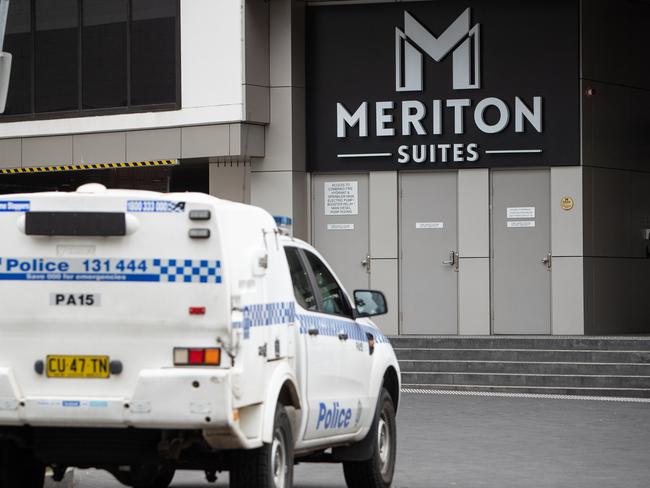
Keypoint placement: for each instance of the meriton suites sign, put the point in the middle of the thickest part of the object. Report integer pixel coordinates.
(444, 84)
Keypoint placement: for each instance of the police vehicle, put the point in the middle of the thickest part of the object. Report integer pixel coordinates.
(143, 333)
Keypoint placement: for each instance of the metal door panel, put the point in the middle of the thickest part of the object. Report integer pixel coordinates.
(344, 249)
(428, 234)
(521, 282)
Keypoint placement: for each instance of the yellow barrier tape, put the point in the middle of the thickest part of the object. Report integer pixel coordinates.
(83, 167)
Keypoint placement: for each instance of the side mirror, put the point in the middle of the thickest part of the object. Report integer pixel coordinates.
(370, 303)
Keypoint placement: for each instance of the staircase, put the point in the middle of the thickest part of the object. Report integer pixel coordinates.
(590, 366)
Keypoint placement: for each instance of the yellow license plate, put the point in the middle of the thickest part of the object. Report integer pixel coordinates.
(77, 367)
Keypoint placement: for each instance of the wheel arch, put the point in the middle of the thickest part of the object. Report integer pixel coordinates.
(392, 384)
(282, 390)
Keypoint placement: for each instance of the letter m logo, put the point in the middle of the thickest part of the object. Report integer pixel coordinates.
(459, 38)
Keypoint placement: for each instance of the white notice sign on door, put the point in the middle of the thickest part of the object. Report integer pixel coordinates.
(520, 212)
(340, 226)
(521, 224)
(341, 198)
(429, 225)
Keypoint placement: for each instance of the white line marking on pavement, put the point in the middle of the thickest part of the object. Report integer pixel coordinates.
(423, 391)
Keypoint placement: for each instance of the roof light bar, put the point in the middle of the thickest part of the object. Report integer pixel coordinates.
(199, 233)
(200, 215)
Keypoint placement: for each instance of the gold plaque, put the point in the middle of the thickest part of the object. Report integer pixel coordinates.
(566, 203)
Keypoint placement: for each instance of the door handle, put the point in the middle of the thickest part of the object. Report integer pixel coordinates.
(548, 261)
(453, 259)
(313, 331)
(343, 336)
(366, 262)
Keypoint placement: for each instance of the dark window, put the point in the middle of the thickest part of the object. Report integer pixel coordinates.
(153, 70)
(300, 279)
(73, 56)
(334, 300)
(104, 53)
(18, 42)
(56, 59)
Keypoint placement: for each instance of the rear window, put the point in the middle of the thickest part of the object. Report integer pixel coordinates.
(101, 224)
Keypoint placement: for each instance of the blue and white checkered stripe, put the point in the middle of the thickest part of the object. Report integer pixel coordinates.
(332, 327)
(278, 313)
(188, 270)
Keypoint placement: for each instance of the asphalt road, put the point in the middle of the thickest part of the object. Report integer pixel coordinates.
(493, 442)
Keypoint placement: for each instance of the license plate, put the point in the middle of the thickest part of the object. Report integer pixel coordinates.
(77, 367)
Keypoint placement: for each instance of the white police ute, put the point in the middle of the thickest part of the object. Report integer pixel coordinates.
(142, 333)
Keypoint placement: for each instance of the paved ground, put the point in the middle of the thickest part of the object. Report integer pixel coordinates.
(493, 442)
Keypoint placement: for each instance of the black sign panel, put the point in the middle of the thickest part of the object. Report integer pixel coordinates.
(444, 84)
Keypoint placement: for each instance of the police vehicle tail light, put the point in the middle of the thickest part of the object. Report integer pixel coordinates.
(190, 356)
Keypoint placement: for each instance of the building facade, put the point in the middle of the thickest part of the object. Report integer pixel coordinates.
(485, 164)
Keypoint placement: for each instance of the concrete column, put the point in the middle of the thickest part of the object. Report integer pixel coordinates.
(279, 181)
(384, 273)
(567, 282)
(474, 252)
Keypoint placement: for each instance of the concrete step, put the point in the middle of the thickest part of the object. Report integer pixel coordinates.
(540, 390)
(523, 342)
(514, 367)
(530, 380)
(523, 355)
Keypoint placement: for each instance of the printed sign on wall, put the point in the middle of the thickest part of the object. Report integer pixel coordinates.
(341, 198)
(445, 84)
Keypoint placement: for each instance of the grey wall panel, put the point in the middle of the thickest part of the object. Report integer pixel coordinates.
(205, 141)
(246, 141)
(272, 190)
(280, 43)
(301, 208)
(279, 141)
(146, 145)
(474, 213)
(229, 181)
(566, 225)
(615, 127)
(298, 133)
(617, 213)
(619, 289)
(47, 151)
(10, 153)
(567, 289)
(256, 45)
(615, 41)
(383, 214)
(99, 148)
(384, 278)
(257, 104)
(474, 296)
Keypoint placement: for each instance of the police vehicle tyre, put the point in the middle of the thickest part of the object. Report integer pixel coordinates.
(270, 466)
(19, 468)
(377, 472)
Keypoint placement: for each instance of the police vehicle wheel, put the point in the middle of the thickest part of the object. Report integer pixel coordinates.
(19, 468)
(270, 466)
(377, 472)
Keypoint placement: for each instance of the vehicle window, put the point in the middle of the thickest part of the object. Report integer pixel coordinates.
(301, 286)
(334, 300)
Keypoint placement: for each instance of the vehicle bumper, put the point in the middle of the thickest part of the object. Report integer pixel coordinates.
(171, 398)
